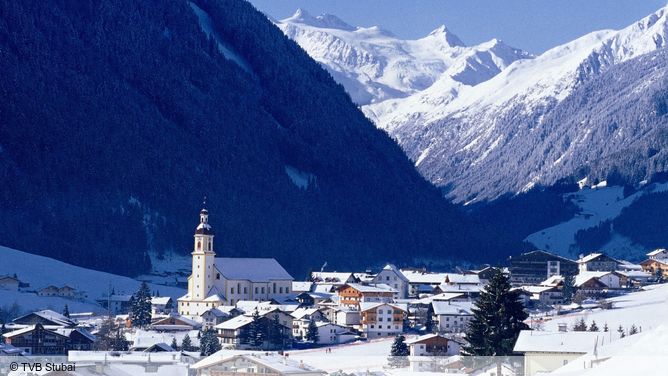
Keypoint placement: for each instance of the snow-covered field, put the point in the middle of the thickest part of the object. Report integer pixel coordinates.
(40, 271)
(359, 356)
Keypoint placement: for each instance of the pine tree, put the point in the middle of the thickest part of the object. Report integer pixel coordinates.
(106, 335)
(605, 327)
(312, 332)
(209, 343)
(3, 330)
(174, 345)
(66, 311)
(580, 326)
(399, 352)
(620, 330)
(569, 288)
(186, 344)
(498, 318)
(429, 324)
(275, 335)
(593, 327)
(120, 343)
(256, 331)
(633, 330)
(140, 314)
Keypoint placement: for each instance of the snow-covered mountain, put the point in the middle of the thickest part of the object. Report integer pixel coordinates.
(376, 66)
(531, 123)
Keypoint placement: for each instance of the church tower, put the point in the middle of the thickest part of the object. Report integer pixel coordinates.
(203, 259)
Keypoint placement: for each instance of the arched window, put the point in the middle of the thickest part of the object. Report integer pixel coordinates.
(199, 245)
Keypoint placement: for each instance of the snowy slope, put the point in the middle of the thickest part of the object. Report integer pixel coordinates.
(374, 65)
(41, 271)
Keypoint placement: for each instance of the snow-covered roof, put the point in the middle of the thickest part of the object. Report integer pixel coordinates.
(251, 269)
(365, 306)
(556, 342)
(119, 298)
(333, 277)
(160, 300)
(324, 287)
(279, 364)
(235, 323)
(396, 271)
(457, 278)
(67, 332)
(658, 252)
(589, 257)
(441, 297)
(444, 287)
(583, 277)
(451, 308)
(159, 346)
(301, 286)
(429, 336)
(537, 289)
(301, 312)
(420, 277)
(554, 281)
(369, 288)
(9, 350)
(50, 315)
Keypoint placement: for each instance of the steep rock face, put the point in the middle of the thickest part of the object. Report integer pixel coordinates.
(116, 118)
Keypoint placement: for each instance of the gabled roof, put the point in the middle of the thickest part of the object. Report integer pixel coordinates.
(252, 269)
(396, 271)
(593, 256)
(368, 288)
(556, 342)
(235, 323)
(8, 350)
(426, 337)
(301, 312)
(417, 277)
(583, 277)
(49, 315)
(441, 297)
(67, 332)
(160, 300)
(276, 363)
(30, 329)
(657, 252)
(333, 277)
(448, 308)
(365, 306)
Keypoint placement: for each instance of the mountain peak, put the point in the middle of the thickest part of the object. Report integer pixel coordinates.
(325, 20)
(443, 33)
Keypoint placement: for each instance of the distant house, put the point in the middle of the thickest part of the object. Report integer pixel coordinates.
(594, 281)
(45, 318)
(333, 334)
(161, 305)
(233, 331)
(7, 350)
(310, 299)
(452, 317)
(79, 339)
(597, 262)
(36, 340)
(660, 253)
(533, 267)
(302, 318)
(382, 319)
(544, 352)
(545, 295)
(116, 303)
(392, 276)
(159, 347)
(434, 345)
(653, 266)
(175, 323)
(9, 283)
(220, 364)
(353, 294)
(215, 316)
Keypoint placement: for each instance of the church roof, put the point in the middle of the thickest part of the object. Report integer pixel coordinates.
(204, 229)
(251, 269)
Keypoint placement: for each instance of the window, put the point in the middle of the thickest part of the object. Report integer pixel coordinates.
(231, 290)
(217, 275)
(387, 278)
(245, 290)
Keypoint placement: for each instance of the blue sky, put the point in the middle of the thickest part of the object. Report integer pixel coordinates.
(533, 25)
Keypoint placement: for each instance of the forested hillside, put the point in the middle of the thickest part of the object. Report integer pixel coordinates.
(117, 117)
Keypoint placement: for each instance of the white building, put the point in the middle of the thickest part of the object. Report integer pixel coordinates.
(452, 317)
(546, 351)
(301, 319)
(217, 281)
(220, 364)
(161, 305)
(382, 319)
(333, 334)
(393, 277)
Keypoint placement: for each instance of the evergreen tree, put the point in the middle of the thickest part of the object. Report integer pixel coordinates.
(659, 275)
(275, 335)
(312, 332)
(140, 314)
(106, 335)
(569, 288)
(633, 330)
(593, 327)
(498, 318)
(174, 345)
(399, 352)
(580, 326)
(66, 311)
(429, 324)
(186, 344)
(620, 330)
(120, 343)
(256, 331)
(209, 343)
(605, 328)
(3, 330)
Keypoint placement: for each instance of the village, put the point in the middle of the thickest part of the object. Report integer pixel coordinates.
(249, 315)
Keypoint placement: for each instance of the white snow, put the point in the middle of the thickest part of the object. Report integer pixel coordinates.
(40, 271)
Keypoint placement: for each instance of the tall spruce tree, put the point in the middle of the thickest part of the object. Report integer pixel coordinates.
(620, 330)
(66, 311)
(580, 326)
(140, 314)
(256, 330)
(593, 327)
(399, 352)
(275, 335)
(209, 343)
(312, 331)
(187, 344)
(119, 342)
(498, 318)
(429, 325)
(569, 288)
(174, 345)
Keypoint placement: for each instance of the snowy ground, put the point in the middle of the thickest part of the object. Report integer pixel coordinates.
(41, 271)
(646, 310)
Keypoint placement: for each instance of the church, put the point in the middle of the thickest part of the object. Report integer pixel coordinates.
(217, 281)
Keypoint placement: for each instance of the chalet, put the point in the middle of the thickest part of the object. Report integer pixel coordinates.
(215, 316)
(597, 262)
(36, 340)
(342, 315)
(544, 352)
(660, 253)
(545, 295)
(452, 317)
(391, 276)
(301, 319)
(333, 334)
(433, 345)
(220, 364)
(45, 318)
(633, 278)
(9, 283)
(420, 281)
(79, 339)
(353, 294)
(233, 331)
(175, 323)
(471, 291)
(382, 319)
(116, 303)
(535, 266)
(64, 292)
(334, 278)
(161, 305)
(597, 280)
(655, 266)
